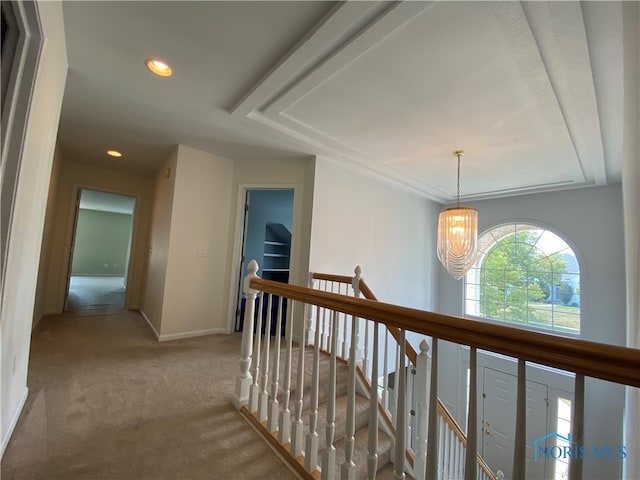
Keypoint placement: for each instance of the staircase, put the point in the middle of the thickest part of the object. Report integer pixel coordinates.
(385, 439)
(320, 430)
(361, 423)
(347, 414)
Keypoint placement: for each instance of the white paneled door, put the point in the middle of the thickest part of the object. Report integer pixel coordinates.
(498, 416)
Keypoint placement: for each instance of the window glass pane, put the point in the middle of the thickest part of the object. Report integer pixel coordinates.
(527, 275)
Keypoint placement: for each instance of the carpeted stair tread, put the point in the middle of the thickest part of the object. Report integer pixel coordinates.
(360, 454)
(362, 417)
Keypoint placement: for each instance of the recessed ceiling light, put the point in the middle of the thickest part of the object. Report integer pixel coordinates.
(114, 153)
(159, 67)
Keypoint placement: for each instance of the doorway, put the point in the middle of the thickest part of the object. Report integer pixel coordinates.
(266, 238)
(100, 253)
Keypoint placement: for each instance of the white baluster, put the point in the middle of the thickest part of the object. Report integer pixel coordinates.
(459, 460)
(519, 446)
(274, 405)
(254, 391)
(244, 379)
(442, 428)
(309, 334)
(323, 322)
(329, 454)
(355, 285)
(263, 401)
(348, 470)
(401, 422)
(365, 356)
(410, 374)
(324, 338)
(385, 375)
(372, 458)
(344, 344)
(311, 450)
(455, 461)
(445, 460)
(433, 451)
(284, 428)
(297, 434)
(394, 411)
(577, 427)
(471, 455)
(422, 410)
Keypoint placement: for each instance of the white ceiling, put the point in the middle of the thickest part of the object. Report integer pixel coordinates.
(533, 91)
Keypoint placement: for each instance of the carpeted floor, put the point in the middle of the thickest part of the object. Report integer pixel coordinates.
(107, 401)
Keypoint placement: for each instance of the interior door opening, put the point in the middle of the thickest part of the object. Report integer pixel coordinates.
(100, 253)
(266, 238)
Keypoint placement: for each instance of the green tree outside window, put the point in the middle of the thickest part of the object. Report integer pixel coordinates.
(522, 276)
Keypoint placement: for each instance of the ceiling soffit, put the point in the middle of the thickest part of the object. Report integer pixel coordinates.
(395, 88)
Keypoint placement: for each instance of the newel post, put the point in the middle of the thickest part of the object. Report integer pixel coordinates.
(244, 379)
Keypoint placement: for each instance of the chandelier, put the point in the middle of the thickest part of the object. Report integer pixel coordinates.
(458, 235)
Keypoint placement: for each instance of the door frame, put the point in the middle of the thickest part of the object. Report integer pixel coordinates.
(74, 205)
(234, 291)
(20, 66)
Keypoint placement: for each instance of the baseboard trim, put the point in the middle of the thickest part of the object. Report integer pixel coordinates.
(194, 333)
(6, 436)
(153, 329)
(178, 336)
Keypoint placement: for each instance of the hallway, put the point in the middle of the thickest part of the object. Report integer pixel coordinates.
(95, 294)
(107, 401)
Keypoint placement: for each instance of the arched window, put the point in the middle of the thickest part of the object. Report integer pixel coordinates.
(525, 275)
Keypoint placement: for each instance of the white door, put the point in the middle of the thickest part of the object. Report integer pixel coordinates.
(498, 417)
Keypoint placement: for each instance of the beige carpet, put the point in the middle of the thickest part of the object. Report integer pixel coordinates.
(109, 402)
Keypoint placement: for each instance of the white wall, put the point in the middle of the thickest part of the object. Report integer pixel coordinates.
(158, 251)
(197, 211)
(73, 176)
(196, 287)
(591, 220)
(48, 233)
(389, 232)
(28, 218)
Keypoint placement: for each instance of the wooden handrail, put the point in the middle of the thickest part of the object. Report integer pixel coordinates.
(329, 277)
(599, 360)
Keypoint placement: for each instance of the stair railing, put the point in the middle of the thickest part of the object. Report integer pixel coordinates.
(306, 306)
(452, 438)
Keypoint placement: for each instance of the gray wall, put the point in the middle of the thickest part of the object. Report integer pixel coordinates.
(590, 219)
(102, 243)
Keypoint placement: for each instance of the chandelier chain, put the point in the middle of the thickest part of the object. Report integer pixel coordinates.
(458, 193)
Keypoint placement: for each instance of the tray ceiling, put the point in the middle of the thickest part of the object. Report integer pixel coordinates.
(531, 91)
